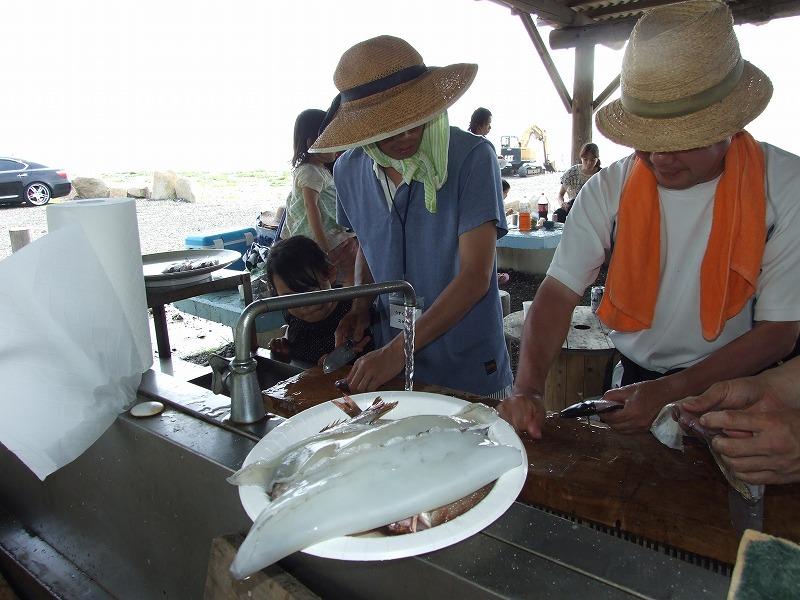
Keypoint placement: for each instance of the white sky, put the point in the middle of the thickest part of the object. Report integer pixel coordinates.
(115, 85)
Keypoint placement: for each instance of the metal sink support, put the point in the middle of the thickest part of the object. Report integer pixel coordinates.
(246, 403)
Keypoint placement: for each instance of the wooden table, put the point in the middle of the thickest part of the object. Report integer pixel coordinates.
(586, 358)
(157, 297)
(630, 484)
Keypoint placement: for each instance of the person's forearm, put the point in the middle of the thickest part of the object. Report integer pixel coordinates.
(362, 276)
(785, 380)
(315, 222)
(544, 332)
(455, 301)
(762, 346)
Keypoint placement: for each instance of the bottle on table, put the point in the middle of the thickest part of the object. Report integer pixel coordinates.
(544, 206)
(524, 216)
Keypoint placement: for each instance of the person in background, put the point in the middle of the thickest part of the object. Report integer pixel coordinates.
(297, 265)
(504, 278)
(573, 179)
(481, 122)
(703, 283)
(761, 417)
(425, 200)
(311, 206)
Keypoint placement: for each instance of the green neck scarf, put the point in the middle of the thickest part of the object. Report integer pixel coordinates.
(428, 165)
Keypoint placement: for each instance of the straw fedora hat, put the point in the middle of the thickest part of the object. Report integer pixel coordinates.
(385, 89)
(684, 82)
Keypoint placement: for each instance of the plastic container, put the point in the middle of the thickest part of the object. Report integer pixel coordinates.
(524, 216)
(543, 206)
(237, 239)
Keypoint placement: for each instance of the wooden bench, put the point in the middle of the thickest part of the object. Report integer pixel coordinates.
(583, 364)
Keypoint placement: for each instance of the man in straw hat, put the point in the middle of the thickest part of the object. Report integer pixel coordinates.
(426, 204)
(703, 221)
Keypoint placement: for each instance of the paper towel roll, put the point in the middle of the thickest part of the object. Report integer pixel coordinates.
(112, 230)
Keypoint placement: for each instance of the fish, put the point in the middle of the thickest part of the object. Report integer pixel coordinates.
(385, 473)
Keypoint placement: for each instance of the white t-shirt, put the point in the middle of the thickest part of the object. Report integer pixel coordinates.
(675, 339)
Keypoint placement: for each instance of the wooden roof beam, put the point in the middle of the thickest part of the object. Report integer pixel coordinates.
(614, 33)
(603, 96)
(549, 10)
(547, 61)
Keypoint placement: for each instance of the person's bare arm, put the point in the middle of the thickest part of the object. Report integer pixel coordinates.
(310, 198)
(476, 250)
(352, 326)
(545, 329)
(561, 193)
(762, 346)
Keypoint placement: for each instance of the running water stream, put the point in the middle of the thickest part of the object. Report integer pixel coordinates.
(408, 346)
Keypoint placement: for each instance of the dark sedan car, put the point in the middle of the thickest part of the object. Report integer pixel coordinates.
(25, 181)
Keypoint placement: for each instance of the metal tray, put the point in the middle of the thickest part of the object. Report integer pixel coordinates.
(153, 265)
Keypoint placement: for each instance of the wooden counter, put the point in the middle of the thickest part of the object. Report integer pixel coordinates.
(632, 483)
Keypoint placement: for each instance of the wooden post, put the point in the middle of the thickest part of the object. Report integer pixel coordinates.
(19, 238)
(582, 96)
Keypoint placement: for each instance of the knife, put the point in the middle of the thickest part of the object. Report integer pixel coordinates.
(339, 357)
(595, 406)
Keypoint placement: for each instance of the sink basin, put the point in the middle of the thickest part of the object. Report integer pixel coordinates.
(268, 370)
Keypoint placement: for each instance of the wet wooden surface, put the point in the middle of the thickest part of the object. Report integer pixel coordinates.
(631, 482)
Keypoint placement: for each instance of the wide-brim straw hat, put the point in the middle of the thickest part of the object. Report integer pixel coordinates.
(385, 89)
(684, 82)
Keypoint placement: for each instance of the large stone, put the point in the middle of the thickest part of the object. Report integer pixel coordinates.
(138, 192)
(117, 193)
(183, 190)
(90, 187)
(164, 185)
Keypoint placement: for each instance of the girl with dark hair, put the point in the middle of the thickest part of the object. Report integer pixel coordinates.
(481, 121)
(573, 179)
(298, 265)
(311, 206)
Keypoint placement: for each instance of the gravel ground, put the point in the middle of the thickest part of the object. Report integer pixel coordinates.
(231, 201)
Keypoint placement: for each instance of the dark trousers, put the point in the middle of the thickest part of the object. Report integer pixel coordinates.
(633, 373)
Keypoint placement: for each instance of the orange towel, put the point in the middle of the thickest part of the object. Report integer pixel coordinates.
(732, 262)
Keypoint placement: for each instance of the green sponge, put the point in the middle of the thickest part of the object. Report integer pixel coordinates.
(767, 567)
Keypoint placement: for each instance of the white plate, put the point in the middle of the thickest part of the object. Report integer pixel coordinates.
(375, 546)
(153, 265)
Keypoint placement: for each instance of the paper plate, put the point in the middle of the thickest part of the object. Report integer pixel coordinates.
(375, 546)
(153, 265)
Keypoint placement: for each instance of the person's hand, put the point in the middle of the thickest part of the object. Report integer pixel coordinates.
(642, 400)
(761, 444)
(376, 368)
(524, 412)
(352, 326)
(280, 349)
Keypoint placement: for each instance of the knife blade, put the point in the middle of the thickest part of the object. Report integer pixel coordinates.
(595, 406)
(338, 357)
(744, 514)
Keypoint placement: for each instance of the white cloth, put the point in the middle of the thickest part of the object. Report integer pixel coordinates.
(675, 339)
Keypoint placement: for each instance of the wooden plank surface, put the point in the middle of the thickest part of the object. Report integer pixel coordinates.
(589, 471)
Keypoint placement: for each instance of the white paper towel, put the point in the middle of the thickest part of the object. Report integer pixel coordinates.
(69, 357)
(113, 232)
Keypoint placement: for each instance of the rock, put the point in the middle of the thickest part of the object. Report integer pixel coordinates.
(138, 192)
(90, 187)
(183, 190)
(116, 193)
(164, 185)
(512, 206)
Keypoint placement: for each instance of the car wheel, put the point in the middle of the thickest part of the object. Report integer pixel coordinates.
(37, 194)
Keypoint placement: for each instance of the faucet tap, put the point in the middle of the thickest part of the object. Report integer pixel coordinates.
(246, 403)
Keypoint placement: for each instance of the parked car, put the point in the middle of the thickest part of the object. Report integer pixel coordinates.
(530, 168)
(26, 181)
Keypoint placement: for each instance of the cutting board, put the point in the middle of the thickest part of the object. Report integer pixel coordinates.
(629, 483)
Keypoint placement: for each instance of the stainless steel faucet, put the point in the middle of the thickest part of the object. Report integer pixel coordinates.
(246, 403)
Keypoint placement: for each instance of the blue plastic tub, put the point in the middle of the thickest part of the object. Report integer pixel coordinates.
(237, 239)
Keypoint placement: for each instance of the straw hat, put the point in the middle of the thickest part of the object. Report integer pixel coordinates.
(386, 89)
(684, 82)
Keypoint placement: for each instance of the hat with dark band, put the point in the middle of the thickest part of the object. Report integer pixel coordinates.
(385, 89)
(684, 83)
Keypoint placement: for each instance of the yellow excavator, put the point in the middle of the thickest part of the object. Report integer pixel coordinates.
(518, 158)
